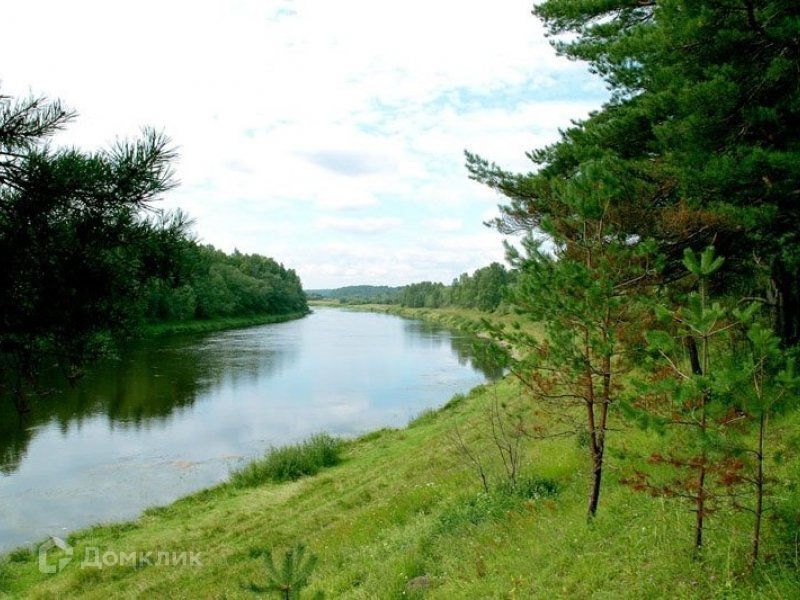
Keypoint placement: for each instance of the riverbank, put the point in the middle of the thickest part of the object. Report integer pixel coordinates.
(405, 511)
(404, 515)
(464, 319)
(216, 324)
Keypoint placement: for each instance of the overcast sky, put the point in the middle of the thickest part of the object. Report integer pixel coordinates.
(328, 135)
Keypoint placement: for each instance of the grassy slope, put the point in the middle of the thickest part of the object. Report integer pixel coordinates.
(390, 512)
(215, 324)
(450, 317)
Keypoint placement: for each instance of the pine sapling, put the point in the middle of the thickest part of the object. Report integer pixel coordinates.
(291, 576)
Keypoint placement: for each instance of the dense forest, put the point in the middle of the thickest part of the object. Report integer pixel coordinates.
(88, 259)
(357, 294)
(483, 290)
(210, 283)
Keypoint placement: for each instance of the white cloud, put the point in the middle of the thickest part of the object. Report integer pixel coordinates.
(288, 111)
(444, 225)
(358, 225)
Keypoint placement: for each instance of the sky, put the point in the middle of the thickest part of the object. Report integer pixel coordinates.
(327, 135)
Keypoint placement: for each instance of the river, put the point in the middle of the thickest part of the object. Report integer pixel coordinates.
(175, 414)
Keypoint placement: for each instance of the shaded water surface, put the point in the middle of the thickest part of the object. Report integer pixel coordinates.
(175, 414)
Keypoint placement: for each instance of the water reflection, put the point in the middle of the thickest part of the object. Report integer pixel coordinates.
(146, 385)
(174, 415)
(470, 350)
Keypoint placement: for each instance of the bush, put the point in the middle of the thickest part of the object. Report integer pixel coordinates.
(474, 511)
(495, 504)
(288, 463)
(425, 416)
(454, 402)
(532, 488)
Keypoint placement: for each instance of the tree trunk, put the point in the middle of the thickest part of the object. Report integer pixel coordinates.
(759, 510)
(787, 305)
(594, 491)
(700, 506)
(697, 369)
(694, 356)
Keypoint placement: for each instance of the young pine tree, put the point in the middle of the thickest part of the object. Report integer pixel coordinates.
(765, 382)
(718, 375)
(687, 389)
(583, 297)
(290, 577)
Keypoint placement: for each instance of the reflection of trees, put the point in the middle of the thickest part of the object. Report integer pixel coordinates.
(146, 385)
(475, 352)
(14, 439)
(469, 349)
(152, 380)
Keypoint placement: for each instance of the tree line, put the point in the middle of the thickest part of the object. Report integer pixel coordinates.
(210, 283)
(357, 294)
(667, 295)
(88, 258)
(483, 290)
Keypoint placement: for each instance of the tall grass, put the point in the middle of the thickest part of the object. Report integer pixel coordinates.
(215, 324)
(287, 463)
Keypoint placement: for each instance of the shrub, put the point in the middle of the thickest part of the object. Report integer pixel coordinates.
(474, 511)
(291, 462)
(454, 402)
(532, 488)
(426, 416)
(495, 504)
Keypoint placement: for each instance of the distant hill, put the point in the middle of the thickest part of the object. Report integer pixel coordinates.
(354, 294)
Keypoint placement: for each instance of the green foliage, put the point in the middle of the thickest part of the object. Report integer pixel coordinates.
(455, 401)
(211, 284)
(702, 128)
(287, 463)
(359, 294)
(586, 294)
(483, 290)
(87, 257)
(80, 241)
(534, 488)
(425, 294)
(704, 264)
(716, 376)
(290, 577)
(494, 504)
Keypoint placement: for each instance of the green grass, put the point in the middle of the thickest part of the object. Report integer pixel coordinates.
(291, 462)
(215, 324)
(464, 319)
(404, 504)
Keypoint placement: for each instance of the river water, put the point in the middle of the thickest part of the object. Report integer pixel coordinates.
(175, 414)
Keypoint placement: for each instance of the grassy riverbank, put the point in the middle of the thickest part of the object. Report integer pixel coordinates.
(403, 515)
(216, 324)
(456, 318)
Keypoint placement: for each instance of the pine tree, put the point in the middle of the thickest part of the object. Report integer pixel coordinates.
(291, 576)
(584, 295)
(704, 114)
(79, 239)
(716, 377)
